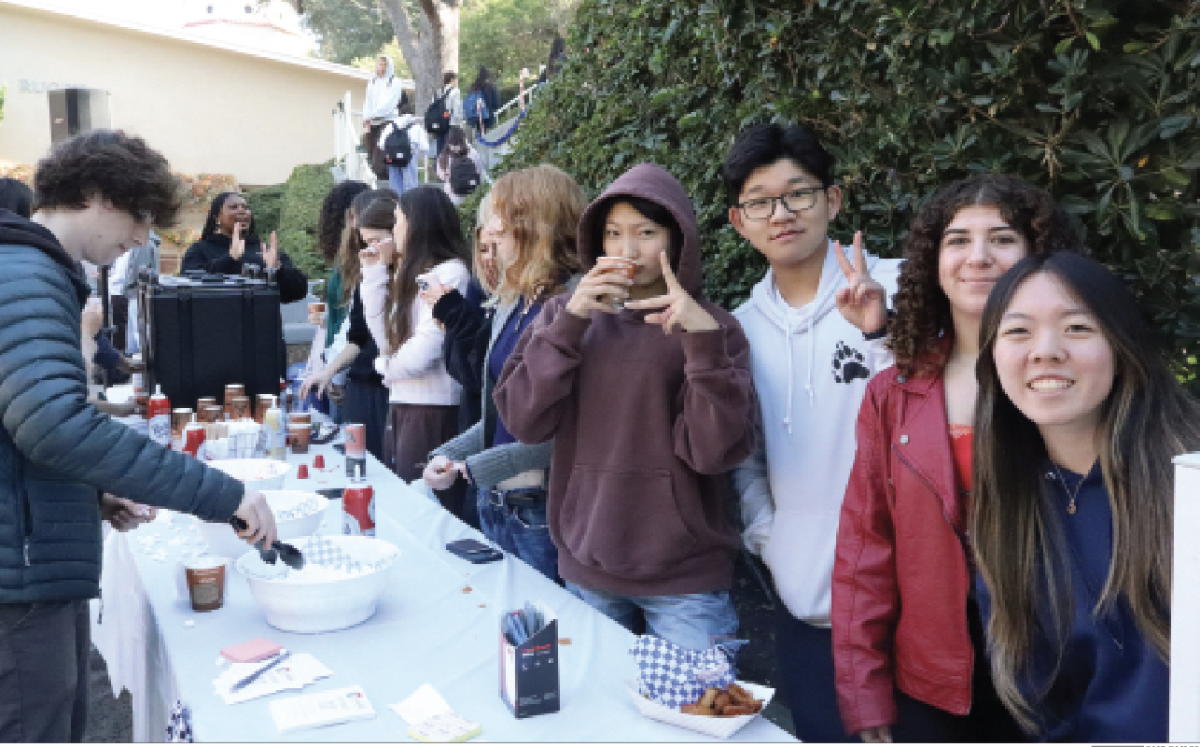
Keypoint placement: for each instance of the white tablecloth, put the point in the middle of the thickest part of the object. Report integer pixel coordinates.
(437, 624)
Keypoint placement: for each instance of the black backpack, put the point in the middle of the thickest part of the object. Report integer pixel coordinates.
(464, 176)
(397, 148)
(437, 117)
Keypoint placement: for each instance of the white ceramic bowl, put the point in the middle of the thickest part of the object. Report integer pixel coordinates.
(297, 515)
(257, 474)
(321, 606)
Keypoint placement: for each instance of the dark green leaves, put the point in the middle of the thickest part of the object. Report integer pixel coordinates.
(1097, 101)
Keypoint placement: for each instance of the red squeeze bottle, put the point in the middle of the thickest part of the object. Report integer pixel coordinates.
(159, 415)
(358, 508)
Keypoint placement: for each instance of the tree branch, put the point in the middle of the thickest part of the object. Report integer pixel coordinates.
(406, 36)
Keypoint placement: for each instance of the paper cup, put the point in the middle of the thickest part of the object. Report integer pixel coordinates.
(240, 408)
(299, 434)
(627, 268)
(205, 577)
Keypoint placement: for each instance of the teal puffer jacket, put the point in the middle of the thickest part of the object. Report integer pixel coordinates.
(57, 453)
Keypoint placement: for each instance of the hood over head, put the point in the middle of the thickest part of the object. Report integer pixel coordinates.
(654, 183)
(20, 231)
(391, 69)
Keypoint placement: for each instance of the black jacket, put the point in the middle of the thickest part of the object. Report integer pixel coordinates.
(57, 453)
(212, 255)
(362, 368)
(468, 329)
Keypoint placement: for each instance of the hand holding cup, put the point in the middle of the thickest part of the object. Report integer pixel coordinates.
(603, 289)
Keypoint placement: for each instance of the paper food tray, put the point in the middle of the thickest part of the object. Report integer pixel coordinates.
(721, 727)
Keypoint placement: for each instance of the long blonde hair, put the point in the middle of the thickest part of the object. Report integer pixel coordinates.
(1146, 420)
(541, 207)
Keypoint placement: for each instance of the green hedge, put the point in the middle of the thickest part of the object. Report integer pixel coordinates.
(293, 209)
(267, 206)
(1096, 100)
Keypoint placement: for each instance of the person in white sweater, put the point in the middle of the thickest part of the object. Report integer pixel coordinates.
(383, 98)
(811, 368)
(426, 242)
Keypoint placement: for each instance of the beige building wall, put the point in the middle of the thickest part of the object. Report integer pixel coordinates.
(207, 108)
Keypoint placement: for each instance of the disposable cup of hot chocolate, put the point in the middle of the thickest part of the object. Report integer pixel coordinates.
(240, 408)
(621, 266)
(210, 414)
(205, 582)
(299, 435)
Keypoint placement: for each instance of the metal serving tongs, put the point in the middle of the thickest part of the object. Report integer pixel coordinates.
(289, 554)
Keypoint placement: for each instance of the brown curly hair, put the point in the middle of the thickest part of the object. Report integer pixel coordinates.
(922, 308)
(113, 166)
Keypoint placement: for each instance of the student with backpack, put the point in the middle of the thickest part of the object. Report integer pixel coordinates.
(811, 368)
(645, 387)
(483, 99)
(403, 142)
(384, 95)
(460, 167)
(446, 111)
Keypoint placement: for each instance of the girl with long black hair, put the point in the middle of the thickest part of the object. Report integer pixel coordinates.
(229, 241)
(427, 244)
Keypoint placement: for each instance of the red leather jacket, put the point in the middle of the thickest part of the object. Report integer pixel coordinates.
(900, 579)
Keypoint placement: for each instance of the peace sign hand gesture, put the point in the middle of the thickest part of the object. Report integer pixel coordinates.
(270, 253)
(237, 245)
(678, 307)
(863, 302)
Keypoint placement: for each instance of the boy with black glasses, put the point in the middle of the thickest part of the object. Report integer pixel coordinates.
(811, 367)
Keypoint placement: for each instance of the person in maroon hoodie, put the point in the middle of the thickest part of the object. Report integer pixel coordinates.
(645, 388)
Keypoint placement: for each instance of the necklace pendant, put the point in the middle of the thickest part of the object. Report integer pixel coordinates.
(1071, 508)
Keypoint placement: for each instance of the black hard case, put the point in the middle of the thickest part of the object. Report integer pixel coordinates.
(204, 334)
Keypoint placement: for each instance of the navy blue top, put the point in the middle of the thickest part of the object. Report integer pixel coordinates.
(518, 321)
(1111, 685)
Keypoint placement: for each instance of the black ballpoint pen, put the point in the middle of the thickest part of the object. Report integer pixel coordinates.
(258, 672)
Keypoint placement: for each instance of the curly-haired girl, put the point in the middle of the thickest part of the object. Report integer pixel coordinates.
(910, 664)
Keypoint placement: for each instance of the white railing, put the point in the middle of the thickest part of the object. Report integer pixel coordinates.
(348, 163)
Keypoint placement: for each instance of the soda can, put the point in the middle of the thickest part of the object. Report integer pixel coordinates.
(356, 449)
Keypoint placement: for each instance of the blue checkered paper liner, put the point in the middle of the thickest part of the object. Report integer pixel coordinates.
(673, 676)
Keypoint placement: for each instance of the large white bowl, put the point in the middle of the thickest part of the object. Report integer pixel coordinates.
(321, 606)
(257, 474)
(297, 515)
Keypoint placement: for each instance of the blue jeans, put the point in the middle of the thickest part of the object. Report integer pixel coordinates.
(403, 178)
(694, 621)
(521, 531)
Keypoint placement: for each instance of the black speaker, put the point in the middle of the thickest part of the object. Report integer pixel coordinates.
(199, 335)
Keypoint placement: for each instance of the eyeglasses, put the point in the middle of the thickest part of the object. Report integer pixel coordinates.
(374, 243)
(761, 208)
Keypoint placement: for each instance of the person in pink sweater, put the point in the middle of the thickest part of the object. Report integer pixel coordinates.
(424, 243)
(645, 388)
